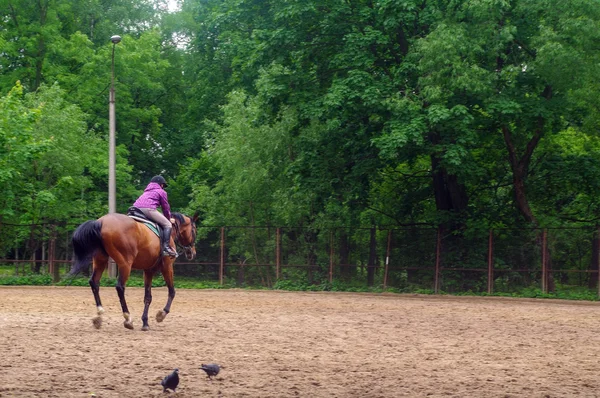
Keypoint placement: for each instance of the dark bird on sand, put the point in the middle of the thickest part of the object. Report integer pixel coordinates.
(211, 369)
(170, 381)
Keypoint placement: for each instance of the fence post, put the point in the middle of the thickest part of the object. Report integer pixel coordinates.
(277, 253)
(16, 255)
(544, 261)
(52, 260)
(222, 259)
(598, 258)
(438, 254)
(387, 259)
(491, 262)
(330, 256)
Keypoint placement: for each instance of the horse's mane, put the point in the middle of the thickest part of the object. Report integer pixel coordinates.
(178, 217)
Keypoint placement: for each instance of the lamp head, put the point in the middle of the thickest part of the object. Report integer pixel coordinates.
(115, 39)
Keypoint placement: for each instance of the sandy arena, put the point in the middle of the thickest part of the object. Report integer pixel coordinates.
(284, 344)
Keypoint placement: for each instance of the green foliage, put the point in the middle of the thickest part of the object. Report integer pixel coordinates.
(138, 281)
(251, 159)
(34, 280)
(335, 286)
(297, 283)
(470, 114)
(48, 147)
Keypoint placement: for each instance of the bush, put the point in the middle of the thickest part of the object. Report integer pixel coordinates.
(33, 280)
(565, 292)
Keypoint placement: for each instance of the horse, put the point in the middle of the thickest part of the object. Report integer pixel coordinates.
(132, 245)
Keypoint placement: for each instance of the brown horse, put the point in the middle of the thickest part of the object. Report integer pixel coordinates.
(132, 245)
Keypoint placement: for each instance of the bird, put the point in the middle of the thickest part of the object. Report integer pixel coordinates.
(211, 369)
(170, 381)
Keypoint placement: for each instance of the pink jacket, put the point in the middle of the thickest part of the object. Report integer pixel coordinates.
(153, 197)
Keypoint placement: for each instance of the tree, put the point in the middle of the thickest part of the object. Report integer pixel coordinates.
(509, 66)
(37, 34)
(50, 161)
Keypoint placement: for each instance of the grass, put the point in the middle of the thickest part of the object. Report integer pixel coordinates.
(8, 278)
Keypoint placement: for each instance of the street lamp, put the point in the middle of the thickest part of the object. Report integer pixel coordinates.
(112, 184)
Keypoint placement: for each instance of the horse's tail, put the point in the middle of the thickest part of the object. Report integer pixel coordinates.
(87, 240)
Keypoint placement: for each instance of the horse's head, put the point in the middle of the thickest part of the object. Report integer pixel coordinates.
(185, 237)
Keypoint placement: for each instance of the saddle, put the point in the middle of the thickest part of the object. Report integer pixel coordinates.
(139, 216)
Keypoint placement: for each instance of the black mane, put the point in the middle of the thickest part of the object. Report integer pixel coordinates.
(181, 220)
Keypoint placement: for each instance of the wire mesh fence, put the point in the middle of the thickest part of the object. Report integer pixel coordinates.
(403, 259)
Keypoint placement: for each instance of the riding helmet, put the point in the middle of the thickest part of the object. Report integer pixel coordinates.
(159, 180)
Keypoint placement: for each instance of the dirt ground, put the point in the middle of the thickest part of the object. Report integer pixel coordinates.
(284, 344)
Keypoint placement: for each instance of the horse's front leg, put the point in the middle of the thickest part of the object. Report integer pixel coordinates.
(147, 298)
(121, 282)
(167, 272)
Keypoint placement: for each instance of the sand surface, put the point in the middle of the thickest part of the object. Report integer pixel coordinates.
(287, 344)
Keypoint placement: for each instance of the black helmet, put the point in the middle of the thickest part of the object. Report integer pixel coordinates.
(159, 180)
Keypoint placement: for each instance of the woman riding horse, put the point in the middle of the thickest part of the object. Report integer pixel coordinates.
(155, 196)
(132, 245)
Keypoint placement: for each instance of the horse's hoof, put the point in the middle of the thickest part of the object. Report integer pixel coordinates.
(160, 316)
(97, 321)
(145, 328)
(128, 325)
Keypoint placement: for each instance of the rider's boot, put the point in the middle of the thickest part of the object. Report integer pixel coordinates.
(167, 250)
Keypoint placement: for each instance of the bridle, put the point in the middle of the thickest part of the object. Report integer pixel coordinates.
(186, 248)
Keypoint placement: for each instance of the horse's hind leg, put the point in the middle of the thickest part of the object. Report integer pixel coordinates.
(124, 272)
(99, 265)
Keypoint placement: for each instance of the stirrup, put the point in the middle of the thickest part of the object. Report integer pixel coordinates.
(169, 252)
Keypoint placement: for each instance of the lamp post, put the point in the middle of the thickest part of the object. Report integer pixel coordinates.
(112, 184)
(112, 201)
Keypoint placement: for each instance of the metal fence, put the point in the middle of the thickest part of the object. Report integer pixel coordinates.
(405, 259)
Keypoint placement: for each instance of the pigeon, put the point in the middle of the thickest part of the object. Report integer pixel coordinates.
(211, 369)
(170, 381)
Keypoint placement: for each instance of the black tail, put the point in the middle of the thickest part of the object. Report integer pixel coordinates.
(87, 239)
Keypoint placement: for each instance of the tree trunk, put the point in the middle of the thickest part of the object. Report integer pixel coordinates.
(372, 258)
(451, 201)
(520, 169)
(519, 176)
(520, 164)
(593, 275)
(450, 195)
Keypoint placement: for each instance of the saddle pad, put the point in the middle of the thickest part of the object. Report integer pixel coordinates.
(147, 223)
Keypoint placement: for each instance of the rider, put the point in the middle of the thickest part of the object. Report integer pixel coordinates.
(155, 196)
